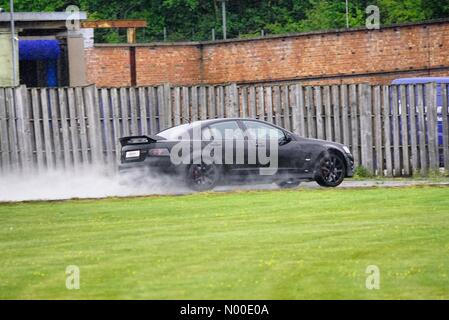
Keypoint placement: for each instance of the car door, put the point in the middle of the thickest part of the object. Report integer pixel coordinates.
(228, 136)
(270, 143)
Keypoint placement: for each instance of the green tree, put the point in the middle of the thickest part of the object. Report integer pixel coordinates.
(194, 19)
(393, 11)
(328, 14)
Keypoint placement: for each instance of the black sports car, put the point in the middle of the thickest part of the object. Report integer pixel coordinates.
(228, 151)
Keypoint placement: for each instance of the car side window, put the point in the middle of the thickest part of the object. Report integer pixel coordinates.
(262, 131)
(222, 130)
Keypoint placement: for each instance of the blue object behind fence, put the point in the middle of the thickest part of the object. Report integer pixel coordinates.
(42, 50)
(39, 50)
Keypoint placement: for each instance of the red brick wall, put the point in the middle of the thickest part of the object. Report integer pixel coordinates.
(108, 67)
(174, 64)
(333, 57)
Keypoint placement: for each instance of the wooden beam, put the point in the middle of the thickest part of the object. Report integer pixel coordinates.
(131, 35)
(107, 24)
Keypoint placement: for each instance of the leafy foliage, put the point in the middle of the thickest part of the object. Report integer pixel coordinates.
(194, 19)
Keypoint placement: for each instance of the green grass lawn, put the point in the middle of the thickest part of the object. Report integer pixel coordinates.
(298, 244)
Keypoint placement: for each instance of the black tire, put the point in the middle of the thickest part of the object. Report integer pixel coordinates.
(202, 177)
(289, 184)
(331, 171)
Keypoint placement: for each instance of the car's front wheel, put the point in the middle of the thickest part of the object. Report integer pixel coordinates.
(331, 171)
(202, 177)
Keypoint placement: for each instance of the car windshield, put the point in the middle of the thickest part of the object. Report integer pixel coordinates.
(176, 133)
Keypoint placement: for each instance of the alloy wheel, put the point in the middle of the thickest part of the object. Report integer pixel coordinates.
(332, 169)
(203, 177)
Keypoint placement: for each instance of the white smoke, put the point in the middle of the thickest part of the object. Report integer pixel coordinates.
(84, 183)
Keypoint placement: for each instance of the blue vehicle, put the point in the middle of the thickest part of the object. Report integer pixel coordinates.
(439, 82)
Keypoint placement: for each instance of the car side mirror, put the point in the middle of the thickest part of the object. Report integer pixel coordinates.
(287, 138)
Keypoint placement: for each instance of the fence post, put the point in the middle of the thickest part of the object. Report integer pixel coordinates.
(24, 127)
(133, 114)
(345, 114)
(261, 103)
(269, 103)
(354, 112)
(299, 126)
(185, 106)
(62, 98)
(377, 110)
(54, 106)
(117, 125)
(244, 111)
(337, 113)
(329, 125)
(160, 108)
(74, 132)
(444, 113)
(203, 103)
(252, 113)
(177, 106)
(211, 102)
(109, 136)
(167, 103)
(220, 111)
(164, 106)
(4, 132)
(152, 109)
(94, 129)
(424, 164)
(319, 112)
(311, 124)
(431, 101)
(404, 131)
(194, 103)
(232, 105)
(387, 130)
(366, 127)
(397, 168)
(277, 105)
(143, 111)
(287, 101)
(413, 129)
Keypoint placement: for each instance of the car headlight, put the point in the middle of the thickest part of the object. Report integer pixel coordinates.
(346, 149)
(159, 152)
(132, 154)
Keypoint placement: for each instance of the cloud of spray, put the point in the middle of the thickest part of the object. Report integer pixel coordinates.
(84, 183)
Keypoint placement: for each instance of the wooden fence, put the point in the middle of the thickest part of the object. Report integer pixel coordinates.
(391, 130)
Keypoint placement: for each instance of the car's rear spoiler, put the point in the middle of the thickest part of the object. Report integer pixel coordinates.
(138, 140)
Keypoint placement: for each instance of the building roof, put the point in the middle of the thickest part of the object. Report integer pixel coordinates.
(39, 16)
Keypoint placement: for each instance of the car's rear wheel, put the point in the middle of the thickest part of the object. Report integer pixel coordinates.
(202, 177)
(288, 184)
(331, 171)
